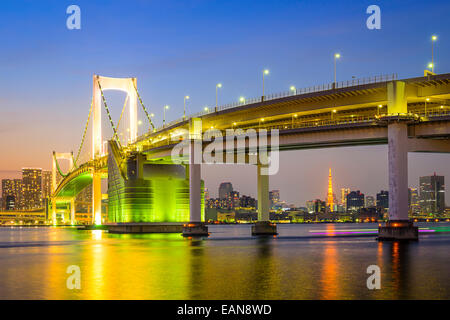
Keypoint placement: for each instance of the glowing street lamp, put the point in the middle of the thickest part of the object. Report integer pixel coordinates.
(426, 100)
(206, 109)
(336, 56)
(378, 109)
(166, 107)
(433, 39)
(332, 113)
(242, 100)
(219, 85)
(265, 72)
(184, 112)
(293, 89)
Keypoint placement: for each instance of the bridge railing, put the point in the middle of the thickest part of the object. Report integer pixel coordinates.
(284, 94)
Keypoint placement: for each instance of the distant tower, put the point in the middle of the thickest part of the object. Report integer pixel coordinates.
(330, 198)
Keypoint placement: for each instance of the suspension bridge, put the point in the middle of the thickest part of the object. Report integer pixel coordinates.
(146, 184)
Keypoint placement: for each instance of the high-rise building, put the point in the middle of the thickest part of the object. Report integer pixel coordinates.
(310, 206)
(46, 184)
(383, 199)
(12, 194)
(413, 200)
(274, 197)
(344, 193)
(330, 196)
(225, 189)
(370, 202)
(32, 188)
(432, 194)
(319, 206)
(234, 199)
(355, 201)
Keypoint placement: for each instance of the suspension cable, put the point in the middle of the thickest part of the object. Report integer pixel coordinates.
(109, 115)
(121, 114)
(57, 167)
(84, 134)
(143, 107)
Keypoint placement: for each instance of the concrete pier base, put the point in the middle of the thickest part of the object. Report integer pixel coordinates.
(153, 227)
(264, 228)
(195, 229)
(398, 230)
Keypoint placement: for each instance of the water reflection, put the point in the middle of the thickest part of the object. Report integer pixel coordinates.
(33, 264)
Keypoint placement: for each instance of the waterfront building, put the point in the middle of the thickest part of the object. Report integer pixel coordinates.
(32, 188)
(344, 193)
(432, 194)
(12, 194)
(383, 199)
(413, 200)
(370, 202)
(225, 190)
(355, 201)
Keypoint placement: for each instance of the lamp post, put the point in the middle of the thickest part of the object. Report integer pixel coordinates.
(378, 109)
(426, 100)
(433, 39)
(242, 100)
(164, 115)
(294, 116)
(293, 89)
(332, 114)
(184, 112)
(265, 72)
(219, 85)
(336, 56)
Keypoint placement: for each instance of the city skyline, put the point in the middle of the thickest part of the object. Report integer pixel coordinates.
(243, 176)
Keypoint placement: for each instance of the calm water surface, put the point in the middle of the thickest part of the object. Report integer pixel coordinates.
(228, 265)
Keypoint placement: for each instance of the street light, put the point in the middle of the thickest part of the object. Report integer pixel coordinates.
(206, 109)
(265, 72)
(219, 85)
(426, 100)
(294, 116)
(378, 109)
(164, 114)
(242, 100)
(332, 113)
(184, 113)
(293, 89)
(336, 56)
(433, 39)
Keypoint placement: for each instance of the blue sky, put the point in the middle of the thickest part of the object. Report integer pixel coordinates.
(176, 48)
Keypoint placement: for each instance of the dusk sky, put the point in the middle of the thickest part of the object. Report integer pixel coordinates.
(178, 48)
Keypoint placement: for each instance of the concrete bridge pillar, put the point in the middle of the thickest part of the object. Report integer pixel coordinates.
(195, 227)
(263, 226)
(53, 211)
(72, 211)
(96, 198)
(399, 226)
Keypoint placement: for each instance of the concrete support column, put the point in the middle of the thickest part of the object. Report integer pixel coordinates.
(96, 198)
(194, 184)
(398, 170)
(263, 195)
(195, 227)
(54, 211)
(398, 227)
(263, 226)
(72, 211)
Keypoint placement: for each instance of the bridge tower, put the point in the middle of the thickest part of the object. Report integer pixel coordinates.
(100, 84)
(60, 156)
(399, 227)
